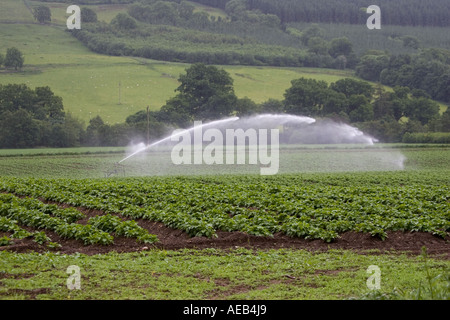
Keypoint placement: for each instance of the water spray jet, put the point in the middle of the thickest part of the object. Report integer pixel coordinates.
(295, 132)
(217, 122)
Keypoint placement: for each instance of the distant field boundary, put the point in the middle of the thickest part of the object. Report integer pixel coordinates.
(10, 153)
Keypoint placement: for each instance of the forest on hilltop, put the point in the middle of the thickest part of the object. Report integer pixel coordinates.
(398, 12)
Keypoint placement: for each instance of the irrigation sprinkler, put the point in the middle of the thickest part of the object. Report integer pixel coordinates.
(116, 170)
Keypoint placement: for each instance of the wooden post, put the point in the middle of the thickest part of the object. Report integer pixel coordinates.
(120, 85)
(148, 126)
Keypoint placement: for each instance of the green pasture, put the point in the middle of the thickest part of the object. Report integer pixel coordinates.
(59, 15)
(115, 87)
(213, 274)
(389, 37)
(14, 11)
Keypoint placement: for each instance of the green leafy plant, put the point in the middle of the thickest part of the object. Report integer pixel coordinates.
(5, 241)
(53, 245)
(41, 237)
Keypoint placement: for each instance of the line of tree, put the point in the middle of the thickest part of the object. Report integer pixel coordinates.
(399, 12)
(206, 93)
(31, 118)
(428, 71)
(42, 14)
(36, 118)
(174, 32)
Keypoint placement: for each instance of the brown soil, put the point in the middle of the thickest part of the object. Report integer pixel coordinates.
(171, 239)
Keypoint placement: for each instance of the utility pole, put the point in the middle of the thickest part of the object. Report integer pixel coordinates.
(120, 85)
(148, 126)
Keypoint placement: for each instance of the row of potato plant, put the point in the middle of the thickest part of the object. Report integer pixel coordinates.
(315, 207)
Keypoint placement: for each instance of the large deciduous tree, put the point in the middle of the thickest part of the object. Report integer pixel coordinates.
(124, 22)
(88, 15)
(42, 14)
(306, 97)
(371, 66)
(18, 129)
(340, 46)
(14, 58)
(205, 92)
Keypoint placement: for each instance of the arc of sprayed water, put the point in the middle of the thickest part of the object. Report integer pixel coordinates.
(175, 135)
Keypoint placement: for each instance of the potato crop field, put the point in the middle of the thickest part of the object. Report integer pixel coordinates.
(60, 212)
(314, 208)
(309, 206)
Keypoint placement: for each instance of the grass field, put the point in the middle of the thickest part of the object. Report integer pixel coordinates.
(59, 16)
(209, 274)
(115, 87)
(14, 11)
(92, 84)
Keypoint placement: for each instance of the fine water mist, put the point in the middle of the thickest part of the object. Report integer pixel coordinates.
(301, 144)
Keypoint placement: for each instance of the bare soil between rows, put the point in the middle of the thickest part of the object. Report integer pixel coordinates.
(172, 239)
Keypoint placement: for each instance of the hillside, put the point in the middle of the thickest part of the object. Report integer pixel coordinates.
(115, 71)
(89, 82)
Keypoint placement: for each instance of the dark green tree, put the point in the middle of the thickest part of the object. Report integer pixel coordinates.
(422, 109)
(271, 106)
(336, 103)
(96, 132)
(88, 15)
(306, 97)
(205, 92)
(371, 66)
(362, 113)
(317, 46)
(445, 121)
(165, 12)
(124, 22)
(48, 106)
(311, 32)
(18, 130)
(411, 42)
(185, 10)
(236, 9)
(175, 112)
(245, 107)
(351, 87)
(359, 108)
(138, 125)
(340, 47)
(42, 14)
(14, 58)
